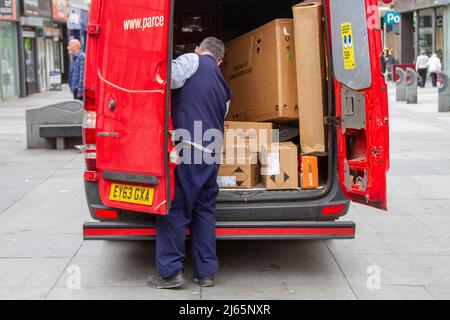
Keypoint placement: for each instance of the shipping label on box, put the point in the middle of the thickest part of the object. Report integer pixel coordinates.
(310, 172)
(279, 169)
(246, 176)
(226, 181)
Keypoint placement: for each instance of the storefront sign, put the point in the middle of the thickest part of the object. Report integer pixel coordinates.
(60, 8)
(31, 7)
(45, 8)
(392, 18)
(408, 5)
(82, 4)
(7, 9)
(52, 32)
(74, 21)
(32, 21)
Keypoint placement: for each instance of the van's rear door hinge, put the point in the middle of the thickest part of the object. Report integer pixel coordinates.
(332, 121)
(93, 29)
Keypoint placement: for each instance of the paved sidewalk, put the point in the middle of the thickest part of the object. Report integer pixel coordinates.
(42, 208)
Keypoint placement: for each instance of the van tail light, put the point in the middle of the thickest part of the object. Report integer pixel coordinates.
(107, 214)
(333, 210)
(89, 139)
(89, 99)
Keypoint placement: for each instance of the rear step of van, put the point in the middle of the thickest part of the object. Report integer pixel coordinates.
(242, 230)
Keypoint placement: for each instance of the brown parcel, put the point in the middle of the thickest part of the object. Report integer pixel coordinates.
(260, 69)
(309, 49)
(280, 166)
(253, 133)
(241, 173)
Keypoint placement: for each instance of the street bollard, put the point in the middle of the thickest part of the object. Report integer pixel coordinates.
(401, 85)
(444, 93)
(411, 86)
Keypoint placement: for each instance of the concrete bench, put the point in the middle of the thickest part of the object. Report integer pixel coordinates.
(55, 126)
(60, 132)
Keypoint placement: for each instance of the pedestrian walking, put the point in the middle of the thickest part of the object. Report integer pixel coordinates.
(76, 71)
(383, 62)
(390, 65)
(200, 95)
(434, 67)
(422, 68)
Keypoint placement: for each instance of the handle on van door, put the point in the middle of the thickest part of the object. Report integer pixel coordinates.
(159, 67)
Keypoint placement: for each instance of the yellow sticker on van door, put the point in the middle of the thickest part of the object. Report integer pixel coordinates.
(348, 46)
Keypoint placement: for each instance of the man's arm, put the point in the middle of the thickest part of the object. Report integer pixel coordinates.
(81, 76)
(183, 68)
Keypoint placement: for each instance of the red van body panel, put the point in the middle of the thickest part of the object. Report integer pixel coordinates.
(363, 153)
(128, 95)
(132, 121)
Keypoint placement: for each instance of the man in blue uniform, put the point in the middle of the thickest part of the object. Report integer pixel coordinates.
(200, 101)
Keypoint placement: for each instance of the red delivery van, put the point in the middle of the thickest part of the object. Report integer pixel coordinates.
(129, 177)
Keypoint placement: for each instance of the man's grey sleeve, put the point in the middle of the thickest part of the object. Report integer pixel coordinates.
(228, 107)
(183, 68)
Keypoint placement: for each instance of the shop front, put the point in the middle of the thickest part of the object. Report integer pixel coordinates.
(9, 66)
(60, 16)
(77, 20)
(423, 23)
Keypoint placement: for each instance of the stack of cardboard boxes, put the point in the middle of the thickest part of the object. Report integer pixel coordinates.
(277, 75)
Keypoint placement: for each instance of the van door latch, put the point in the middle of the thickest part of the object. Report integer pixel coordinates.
(93, 29)
(332, 121)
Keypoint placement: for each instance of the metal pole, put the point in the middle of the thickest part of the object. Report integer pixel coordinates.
(411, 86)
(1, 79)
(433, 46)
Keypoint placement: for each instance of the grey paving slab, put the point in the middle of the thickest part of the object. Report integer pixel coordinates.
(397, 269)
(298, 262)
(29, 245)
(403, 187)
(439, 292)
(419, 207)
(76, 163)
(23, 293)
(439, 224)
(276, 290)
(45, 155)
(371, 220)
(55, 206)
(366, 243)
(190, 291)
(127, 264)
(389, 292)
(69, 173)
(417, 243)
(18, 275)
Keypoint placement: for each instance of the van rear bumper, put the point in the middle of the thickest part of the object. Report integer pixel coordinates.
(273, 230)
(329, 207)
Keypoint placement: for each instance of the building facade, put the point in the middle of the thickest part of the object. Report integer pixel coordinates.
(424, 25)
(9, 63)
(34, 35)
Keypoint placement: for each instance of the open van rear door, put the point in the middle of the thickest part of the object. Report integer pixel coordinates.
(361, 101)
(132, 96)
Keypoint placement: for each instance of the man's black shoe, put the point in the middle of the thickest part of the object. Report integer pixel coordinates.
(205, 282)
(160, 283)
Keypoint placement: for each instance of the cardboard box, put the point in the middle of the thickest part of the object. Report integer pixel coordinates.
(310, 172)
(280, 166)
(260, 69)
(310, 53)
(244, 176)
(232, 159)
(254, 134)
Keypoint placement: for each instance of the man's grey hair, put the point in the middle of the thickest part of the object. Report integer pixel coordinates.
(214, 46)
